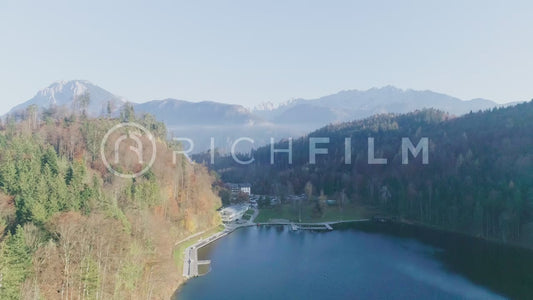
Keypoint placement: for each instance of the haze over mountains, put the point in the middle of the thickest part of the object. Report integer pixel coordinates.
(226, 122)
(180, 112)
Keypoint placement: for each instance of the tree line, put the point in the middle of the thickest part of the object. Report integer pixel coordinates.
(479, 178)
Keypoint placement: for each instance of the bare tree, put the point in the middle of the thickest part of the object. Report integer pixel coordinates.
(81, 103)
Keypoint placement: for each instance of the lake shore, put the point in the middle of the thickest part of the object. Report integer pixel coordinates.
(204, 240)
(364, 254)
(187, 255)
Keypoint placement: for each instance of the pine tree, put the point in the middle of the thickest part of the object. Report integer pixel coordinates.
(15, 263)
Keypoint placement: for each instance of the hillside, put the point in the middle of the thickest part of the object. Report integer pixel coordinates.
(70, 229)
(478, 180)
(179, 112)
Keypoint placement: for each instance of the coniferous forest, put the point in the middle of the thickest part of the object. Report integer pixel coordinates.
(69, 229)
(479, 178)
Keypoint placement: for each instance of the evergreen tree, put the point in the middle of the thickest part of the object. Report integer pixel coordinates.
(15, 264)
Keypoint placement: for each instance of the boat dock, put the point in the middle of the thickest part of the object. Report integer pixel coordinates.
(301, 226)
(313, 226)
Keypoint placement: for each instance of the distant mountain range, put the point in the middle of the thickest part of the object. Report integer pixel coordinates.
(226, 122)
(354, 104)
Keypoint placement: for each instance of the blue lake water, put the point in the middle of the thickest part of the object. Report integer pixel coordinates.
(359, 262)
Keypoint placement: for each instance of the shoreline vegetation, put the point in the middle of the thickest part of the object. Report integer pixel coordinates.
(308, 213)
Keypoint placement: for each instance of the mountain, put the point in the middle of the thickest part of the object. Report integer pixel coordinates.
(201, 121)
(226, 122)
(179, 112)
(269, 110)
(64, 94)
(354, 104)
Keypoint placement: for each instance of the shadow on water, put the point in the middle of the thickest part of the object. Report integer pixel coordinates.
(360, 260)
(505, 269)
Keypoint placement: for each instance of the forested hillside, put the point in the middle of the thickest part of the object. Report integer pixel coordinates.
(479, 179)
(69, 229)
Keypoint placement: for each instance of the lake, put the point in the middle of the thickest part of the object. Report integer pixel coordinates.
(360, 261)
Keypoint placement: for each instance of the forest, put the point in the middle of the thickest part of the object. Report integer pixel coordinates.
(478, 180)
(69, 229)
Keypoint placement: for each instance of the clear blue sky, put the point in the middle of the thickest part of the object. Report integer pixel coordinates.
(248, 52)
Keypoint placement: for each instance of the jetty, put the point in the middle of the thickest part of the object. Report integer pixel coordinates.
(191, 261)
(301, 226)
(311, 226)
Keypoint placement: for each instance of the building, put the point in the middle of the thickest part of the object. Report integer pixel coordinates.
(237, 188)
(232, 213)
(246, 188)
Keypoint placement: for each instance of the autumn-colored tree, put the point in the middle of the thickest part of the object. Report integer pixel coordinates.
(69, 229)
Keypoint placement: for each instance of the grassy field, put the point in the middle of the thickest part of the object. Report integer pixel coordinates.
(348, 212)
(248, 214)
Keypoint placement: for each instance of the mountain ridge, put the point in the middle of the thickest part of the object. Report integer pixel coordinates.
(373, 100)
(170, 110)
(348, 105)
(226, 122)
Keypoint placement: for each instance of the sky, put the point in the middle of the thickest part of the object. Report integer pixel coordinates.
(248, 52)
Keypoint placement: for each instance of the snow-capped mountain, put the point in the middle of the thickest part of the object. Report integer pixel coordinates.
(265, 106)
(64, 94)
(269, 105)
(269, 110)
(355, 104)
